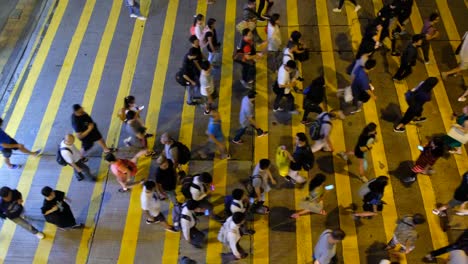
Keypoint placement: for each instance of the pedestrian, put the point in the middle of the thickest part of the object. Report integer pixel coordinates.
(409, 57)
(230, 235)
(73, 157)
(261, 5)
(416, 99)
(430, 32)
(385, 17)
(166, 179)
(365, 142)
(56, 209)
(361, 87)
(260, 177)
(190, 72)
(341, 3)
(151, 205)
(324, 142)
(130, 105)
(283, 87)
(274, 34)
(454, 140)
(249, 56)
(405, 233)
(314, 202)
(460, 244)
(372, 197)
(314, 95)
(325, 249)
(428, 157)
(134, 9)
(171, 151)
(251, 17)
(197, 26)
(212, 44)
(296, 49)
(207, 87)
(215, 137)
(404, 9)
(302, 158)
(11, 207)
(463, 53)
(87, 131)
(136, 128)
(200, 189)
(124, 170)
(460, 199)
(188, 223)
(246, 118)
(8, 144)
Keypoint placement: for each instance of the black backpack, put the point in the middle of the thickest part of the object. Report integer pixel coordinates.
(314, 130)
(180, 78)
(60, 159)
(249, 186)
(187, 182)
(183, 151)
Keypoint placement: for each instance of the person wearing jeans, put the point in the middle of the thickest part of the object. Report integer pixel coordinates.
(341, 3)
(247, 48)
(246, 118)
(134, 9)
(74, 158)
(284, 86)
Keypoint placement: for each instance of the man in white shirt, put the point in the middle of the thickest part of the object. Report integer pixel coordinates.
(230, 234)
(151, 205)
(284, 85)
(74, 158)
(239, 205)
(324, 142)
(200, 189)
(170, 151)
(188, 223)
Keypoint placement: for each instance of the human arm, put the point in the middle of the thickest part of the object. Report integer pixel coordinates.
(85, 133)
(121, 114)
(188, 79)
(185, 228)
(270, 176)
(6, 145)
(51, 210)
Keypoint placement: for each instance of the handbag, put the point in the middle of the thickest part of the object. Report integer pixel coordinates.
(282, 162)
(458, 135)
(302, 56)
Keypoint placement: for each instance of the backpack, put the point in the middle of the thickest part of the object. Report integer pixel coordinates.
(187, 182)
(228, 201)
(314, 130)
(177, 215)
(250, 188)
(364, 189)
(179, 77)
(192, 30)
(183, 151)
(60, 160)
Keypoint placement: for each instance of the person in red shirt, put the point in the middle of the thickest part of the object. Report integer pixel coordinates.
(247, 47)
(124, 170)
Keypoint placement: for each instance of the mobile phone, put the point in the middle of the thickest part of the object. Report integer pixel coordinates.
(329, 187)
(141, 107)
(421, 148)
(212, 187)
(207, 212)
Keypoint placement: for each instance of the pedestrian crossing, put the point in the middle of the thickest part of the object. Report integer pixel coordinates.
(141, 57)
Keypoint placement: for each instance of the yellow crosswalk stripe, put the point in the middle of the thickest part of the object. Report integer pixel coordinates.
(130, 235)
(32, 163)
(343, 187)
(113, 134)
(303, 229)
(379, 158)
(220, 166)
(44, 247)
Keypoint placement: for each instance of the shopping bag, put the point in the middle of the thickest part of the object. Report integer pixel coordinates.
(282, 162)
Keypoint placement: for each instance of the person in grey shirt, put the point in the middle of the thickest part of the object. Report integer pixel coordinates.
(260, 176)
(246, 118)
(325, 250)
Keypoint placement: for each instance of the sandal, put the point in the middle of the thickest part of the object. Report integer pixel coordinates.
(122, 190)
(15, 166)
(439, 212)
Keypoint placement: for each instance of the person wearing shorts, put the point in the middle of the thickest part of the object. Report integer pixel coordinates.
(124, 170)
(207, 86)
(151, 205)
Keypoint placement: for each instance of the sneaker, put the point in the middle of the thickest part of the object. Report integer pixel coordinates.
(409, 179)
(337, 10)
(461, 99)
(141, 18)
(462, 212)
(78, 226)
(133, 16)
(279, 109)
(263, 134)
(356, 111)
(40, 235)
(122, 190)
(427, 62)
(306, 122)
(149, 221)
(127, 142)
(396, 53)
(192, 103)
(419, 119)
(238, 142)
(357, 8)
(294, 112)
(399, 130)
(250, 232)
(206, 112)
(171, 229)
(343, 155)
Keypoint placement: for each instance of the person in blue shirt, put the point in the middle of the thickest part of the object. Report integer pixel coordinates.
(8, 144)
(215, 137)
(360, 85)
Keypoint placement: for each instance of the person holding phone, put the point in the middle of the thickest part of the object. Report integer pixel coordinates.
(314, 202)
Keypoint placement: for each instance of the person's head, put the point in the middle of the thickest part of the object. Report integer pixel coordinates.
(417, 40)
(211, 23)
(264, 164)
(296, 36)
(290, 65)
(379, 184)
(247, 34)
(336, 236)
(418, 219)
(238, 194)
(206, 178)
(5, 193)
(318, 180)
(130, 115)
(438, 146)
(205, 65)
(149, 186)
(370, 64)
(465, 110)
(48, 192)
(238, 218)
(110, 158)
(434, 17)
(194, 40)
(274, 19)
(251, 3)
(69, 139)
(301, 139)
(429, 84)
(198, 19)
(251, 95)
(166, 138)
(371, 128)
(191, 204)
(163, 162)
(129, 101)
(78, 110)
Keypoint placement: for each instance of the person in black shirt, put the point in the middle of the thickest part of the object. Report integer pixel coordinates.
(190, 72)
(313, 97)
(248, 49)
(87, 131)
(372, 201)
(302, 158)
(56, 210)
(460, 244)
(166, 179)
(408, 59)
(460, 198)
(212, 43)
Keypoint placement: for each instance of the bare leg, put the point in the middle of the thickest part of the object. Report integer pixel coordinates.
(103, 145)
(451, 72)
(27, 151)
(8, 163)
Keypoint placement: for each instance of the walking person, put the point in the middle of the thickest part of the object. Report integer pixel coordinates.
(460, 244)
(404, 9)
(11, 207)
(190, 73)
(124, 170)
(56, 209)
(314, 202)
(454, 140)
(405, 233)
(73, 157)
(274, 40)
(197, 26)
(151, 205)
(314, 95)
(249, 56)
(409, 57)
(260, 177)
(87, 131)
(188, 223)
(361, 87)
(302, 158)
(372, 197)
(365, 142)
(463, 52)
(134, 9)
(212, 44)
(230, 235)
(129, 105)
(215, 137)
(430, 32)
(171, 149)
(325, 249)
(341, 3)
(460, 199)
(207, 87)
(166, 179)
(246, 118)
(136, 128)
(284, 85)
(324, 142)
(8, 144)
(428, 157)
(416, 99)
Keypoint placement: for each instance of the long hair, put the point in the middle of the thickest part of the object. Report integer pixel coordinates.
(379, 184)
(128, 101)
(369, 128)
(197, 18)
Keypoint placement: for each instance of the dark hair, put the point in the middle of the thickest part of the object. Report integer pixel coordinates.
(46, 191)
(192, 39)
(252, 94)
(193, 51)
(1, 121)
(275, 17)
(128, 101)
(205, 65)
(130, 115)
(317, 181)
(417, 37)
(238, 217)
(370, 63)
(191, 204)
(264, 164)
(237, 194)
(76, 107)
(302, 137)
(369, 128)
(245, 31)
(338, 234)
(110, 157)
(433, 16)
(429, 84)
(210, 22)
(439, 147)
(379, 184)
(197, 18)
(4, 191)
(418, 219)
(205, 177)
(295, 36)
(291, 64)
(149, 185)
